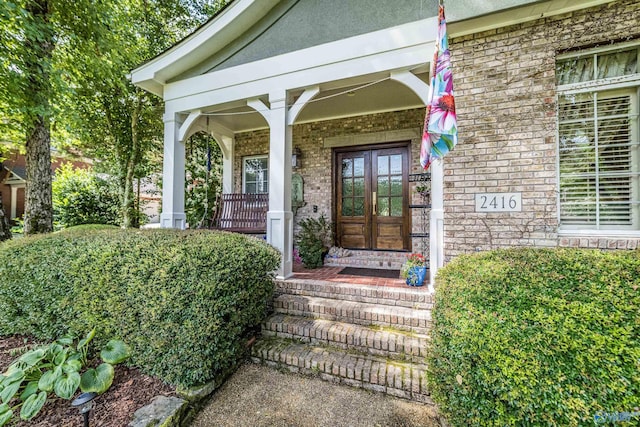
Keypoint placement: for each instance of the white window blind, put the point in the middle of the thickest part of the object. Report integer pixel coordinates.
(598, 157)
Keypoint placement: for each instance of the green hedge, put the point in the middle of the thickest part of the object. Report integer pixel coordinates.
(536, 337)
(184, 301)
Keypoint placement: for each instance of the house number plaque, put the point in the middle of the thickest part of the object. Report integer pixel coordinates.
(498, 202)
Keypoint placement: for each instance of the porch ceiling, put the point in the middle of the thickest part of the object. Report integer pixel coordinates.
(335, 100)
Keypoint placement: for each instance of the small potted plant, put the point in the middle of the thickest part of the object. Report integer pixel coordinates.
(414, 270)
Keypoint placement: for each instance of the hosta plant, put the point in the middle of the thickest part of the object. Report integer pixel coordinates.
(55, 368)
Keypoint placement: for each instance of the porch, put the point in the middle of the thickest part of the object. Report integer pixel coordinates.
(331, 275)
(357, 99)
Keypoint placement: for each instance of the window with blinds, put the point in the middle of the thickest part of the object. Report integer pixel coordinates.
(598, 139)
(598, 149)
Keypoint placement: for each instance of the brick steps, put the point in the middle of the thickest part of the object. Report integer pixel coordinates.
(371, 337)
(386, 260)
(401, 379)
(397, 345)
(417, 298)
(359, 313)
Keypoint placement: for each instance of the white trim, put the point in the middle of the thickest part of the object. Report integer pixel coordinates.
(14, 178)
(205, 41)
(632, 234)
(188, 123)
(339, 116)
(260, 107)
(407, 78)
(613, 83)
(598, 50)
(297, 107)
(374, 66)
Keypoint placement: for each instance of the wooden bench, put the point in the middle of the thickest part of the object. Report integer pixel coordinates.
(241, 213)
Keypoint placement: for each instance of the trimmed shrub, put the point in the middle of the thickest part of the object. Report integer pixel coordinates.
(184, 301)
(536, 337)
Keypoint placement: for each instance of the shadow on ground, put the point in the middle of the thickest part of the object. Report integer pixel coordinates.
(258, 396)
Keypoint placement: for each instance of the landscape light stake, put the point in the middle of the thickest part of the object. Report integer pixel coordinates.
(85, 403)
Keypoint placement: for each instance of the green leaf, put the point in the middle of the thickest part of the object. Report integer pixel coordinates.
(84, 342)
(31, 358)
(67, 385)
(61, 357)
(9, 391)
(115, 351)
(65, 340)
(48, 379)
(32, 405)
(4, 408)
(75, 356)
(71, 366)
(5, 417)
(13, 374)
(30, 389)
(97, 380)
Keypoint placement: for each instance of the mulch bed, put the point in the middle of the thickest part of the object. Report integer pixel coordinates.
(130, 391)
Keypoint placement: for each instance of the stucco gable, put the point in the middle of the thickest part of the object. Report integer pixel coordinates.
(298, 24)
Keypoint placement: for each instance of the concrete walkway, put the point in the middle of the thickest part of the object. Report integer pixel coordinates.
(257, 396)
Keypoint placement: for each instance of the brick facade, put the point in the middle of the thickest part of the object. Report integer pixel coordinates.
(315, 165)
(505, 98)
(505, 95)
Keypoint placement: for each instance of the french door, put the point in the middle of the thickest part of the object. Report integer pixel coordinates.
(372, 198)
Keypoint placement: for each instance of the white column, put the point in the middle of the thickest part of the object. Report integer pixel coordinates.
(227, 164)
(436, 221)
(173, 175)
(279, 216)
(14, 201)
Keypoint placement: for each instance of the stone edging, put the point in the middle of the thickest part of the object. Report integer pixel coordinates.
(179, 411)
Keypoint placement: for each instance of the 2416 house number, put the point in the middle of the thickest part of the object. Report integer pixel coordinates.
(498, 202)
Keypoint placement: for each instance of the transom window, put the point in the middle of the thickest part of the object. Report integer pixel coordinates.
(255, 175)
(598, 140)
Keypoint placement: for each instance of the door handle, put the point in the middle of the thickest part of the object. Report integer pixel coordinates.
(375, 203)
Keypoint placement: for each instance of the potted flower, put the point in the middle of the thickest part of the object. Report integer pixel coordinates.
(414, 270)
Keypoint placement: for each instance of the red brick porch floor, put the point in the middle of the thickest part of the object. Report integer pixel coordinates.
(330, 274)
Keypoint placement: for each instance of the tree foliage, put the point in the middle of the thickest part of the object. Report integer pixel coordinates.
(37, 38)
(80, 196)
(64, 79)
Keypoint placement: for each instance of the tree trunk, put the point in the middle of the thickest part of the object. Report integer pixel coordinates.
(38, 216)
(5, 231)
(39, 43)
(128, 199)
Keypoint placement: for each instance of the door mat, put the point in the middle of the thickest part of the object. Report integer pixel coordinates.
(371, 272)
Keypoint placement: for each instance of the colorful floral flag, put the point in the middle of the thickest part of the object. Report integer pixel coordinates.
(440, 128)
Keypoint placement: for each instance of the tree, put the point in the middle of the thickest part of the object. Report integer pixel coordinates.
(5, 230)
(39, 39)
(115, 121)
(64, 66)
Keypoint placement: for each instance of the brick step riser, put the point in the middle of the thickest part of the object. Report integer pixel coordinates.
(377, 376)
(412, 353)
(363, 263)
(400, 297)
(365, 318)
